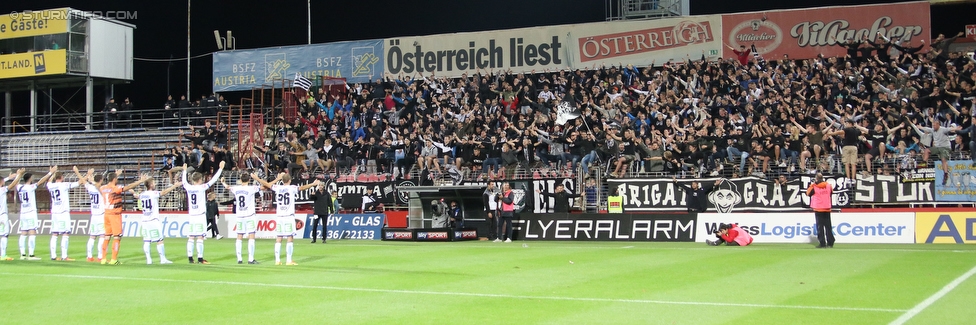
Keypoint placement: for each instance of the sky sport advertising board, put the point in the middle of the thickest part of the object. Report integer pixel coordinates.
(806, 33)
(800, 228)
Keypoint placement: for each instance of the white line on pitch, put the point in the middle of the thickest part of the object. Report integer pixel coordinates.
(460, 294)
(932, 299)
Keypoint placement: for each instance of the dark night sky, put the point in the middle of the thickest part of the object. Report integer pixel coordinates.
(161, 26)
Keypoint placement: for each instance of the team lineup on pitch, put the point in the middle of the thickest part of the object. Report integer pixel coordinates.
(105, 225)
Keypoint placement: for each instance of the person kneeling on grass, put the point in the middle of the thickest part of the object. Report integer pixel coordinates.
(731, 235)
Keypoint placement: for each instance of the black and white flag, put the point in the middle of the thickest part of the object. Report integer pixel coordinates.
(566, 111)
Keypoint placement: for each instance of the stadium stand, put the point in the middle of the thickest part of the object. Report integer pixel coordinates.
(731, 117)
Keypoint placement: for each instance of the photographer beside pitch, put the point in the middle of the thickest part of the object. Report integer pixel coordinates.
(730, 235)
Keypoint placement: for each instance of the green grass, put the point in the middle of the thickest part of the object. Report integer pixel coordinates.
(365, 282)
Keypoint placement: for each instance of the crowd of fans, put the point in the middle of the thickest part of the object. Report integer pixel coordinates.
(886, 100)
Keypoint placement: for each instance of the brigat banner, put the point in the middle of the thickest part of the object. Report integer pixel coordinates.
(731, 195)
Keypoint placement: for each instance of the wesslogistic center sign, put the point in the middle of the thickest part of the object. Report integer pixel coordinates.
(865, 228)
(357, 62)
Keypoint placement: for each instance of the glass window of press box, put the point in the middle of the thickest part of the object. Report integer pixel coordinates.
(75, 42)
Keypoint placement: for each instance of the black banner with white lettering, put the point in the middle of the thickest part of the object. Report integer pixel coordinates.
(386, 190)
(753, 194)
(891, 189)
(678, 227)
(731, 195)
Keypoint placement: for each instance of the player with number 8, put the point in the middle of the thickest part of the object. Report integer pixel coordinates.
(246, 223)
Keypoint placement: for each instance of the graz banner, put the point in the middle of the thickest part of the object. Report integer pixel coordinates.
(961, 185)
(452, 55)
(357, 62)
(806, 33)
(624, 227)
(732, 195)
(644, 42)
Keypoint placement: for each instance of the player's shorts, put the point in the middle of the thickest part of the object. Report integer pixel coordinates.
(60, 224)
(28, 221)
(4, 226)
(96, 225)
(246, 225)
(113, 224)
(152, 230)
(197, 226)
(286, 226)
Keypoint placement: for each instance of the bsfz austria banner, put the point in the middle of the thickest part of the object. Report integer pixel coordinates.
(357, 62)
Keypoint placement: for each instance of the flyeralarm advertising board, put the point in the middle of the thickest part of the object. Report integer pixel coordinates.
(805, 33)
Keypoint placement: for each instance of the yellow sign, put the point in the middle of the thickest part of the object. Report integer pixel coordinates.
(945, 228)
(615, 204)
(33, 23)
(33, 64)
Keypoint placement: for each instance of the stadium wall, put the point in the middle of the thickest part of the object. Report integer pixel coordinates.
(935, 226)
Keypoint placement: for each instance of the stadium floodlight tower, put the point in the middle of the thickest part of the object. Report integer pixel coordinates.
(61, 49)
(645, 9)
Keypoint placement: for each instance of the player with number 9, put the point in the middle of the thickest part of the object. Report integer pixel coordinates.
(196, 196)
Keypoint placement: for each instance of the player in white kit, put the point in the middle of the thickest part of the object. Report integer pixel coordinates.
(28, 213)
(96, 225)
(61, 212)
(246, 222)
(14, 179)
(285, 196)
(152, 227)
(196, 196)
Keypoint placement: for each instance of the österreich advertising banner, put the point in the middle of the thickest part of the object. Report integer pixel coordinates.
(357, 62)
(675, 227)
(644, 42)
(805, 33)
(864, 228)
(731, 195)
(450, 55)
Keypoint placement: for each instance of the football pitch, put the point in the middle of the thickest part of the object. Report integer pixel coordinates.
(373, 282)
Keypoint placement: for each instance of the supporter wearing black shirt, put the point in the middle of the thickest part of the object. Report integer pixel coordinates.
(627, 144)
(851, 134)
